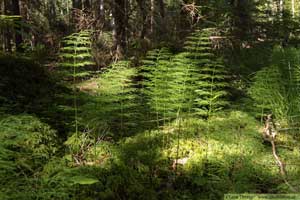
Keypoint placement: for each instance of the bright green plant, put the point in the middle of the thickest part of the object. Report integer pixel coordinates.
(276, 88)
(209, 73)
(167, 84)
(156, 88)
(182, 83)
(26, 145)
(75, 53)
(115, 101)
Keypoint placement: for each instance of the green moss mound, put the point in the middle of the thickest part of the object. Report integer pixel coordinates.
(26, 145)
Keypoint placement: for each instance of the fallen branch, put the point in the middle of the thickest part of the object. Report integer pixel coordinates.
(270, 133)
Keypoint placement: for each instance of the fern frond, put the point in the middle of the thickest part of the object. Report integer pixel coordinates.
(209, 72)
(76, 53)
(115, 103)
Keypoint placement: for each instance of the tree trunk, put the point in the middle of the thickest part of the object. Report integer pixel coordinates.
(101, 10)
(100, 15)
(2, 8)
(152, 17)
(280, 8)
(119, 25)
(77, 4)
(7, 31)
(143, 12)
(87, 4)
(162, 27)
(18, 36)
(273, 8)
(2, 32)
(161, 8)
(52, 10)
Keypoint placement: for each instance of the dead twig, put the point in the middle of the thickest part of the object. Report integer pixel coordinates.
(269, 134)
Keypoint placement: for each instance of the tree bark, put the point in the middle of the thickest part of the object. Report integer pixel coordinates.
(152, 13)
(161, 8)
(7, 32)
(52, 9)
(100, 15)
(2, 8)
(101, 10)
(77, 4)
(143, 12)
(12, 7)
(120, 24)
(280, 8)
(87, 4)
(18, 36)
(162, 28)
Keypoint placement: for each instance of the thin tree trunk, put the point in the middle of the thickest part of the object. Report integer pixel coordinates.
(2, 33)
(280, 8)
(77, 4)
(7, 34)
(2, 8)
(18, 36)
(101, 11)
(143, 12)
(52, 9)
(86, 4)
(161, 8)
(273, 8)
(119, 25)
(100, 15)
(162, 28)
(152, 16)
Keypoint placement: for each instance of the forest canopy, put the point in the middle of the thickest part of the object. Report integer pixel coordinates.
(149, 99)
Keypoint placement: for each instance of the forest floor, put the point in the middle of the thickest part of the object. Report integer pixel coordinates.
(187, 158)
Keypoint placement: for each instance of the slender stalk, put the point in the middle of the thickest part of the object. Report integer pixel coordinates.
(211, 95)
(178, 138)
(75, 93)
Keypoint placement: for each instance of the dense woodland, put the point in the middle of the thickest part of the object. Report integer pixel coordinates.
(149, 99)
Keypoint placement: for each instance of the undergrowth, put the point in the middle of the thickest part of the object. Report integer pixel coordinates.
(158, 131)
(226, 155)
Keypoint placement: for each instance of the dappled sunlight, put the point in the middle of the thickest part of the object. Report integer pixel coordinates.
(149, 99)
